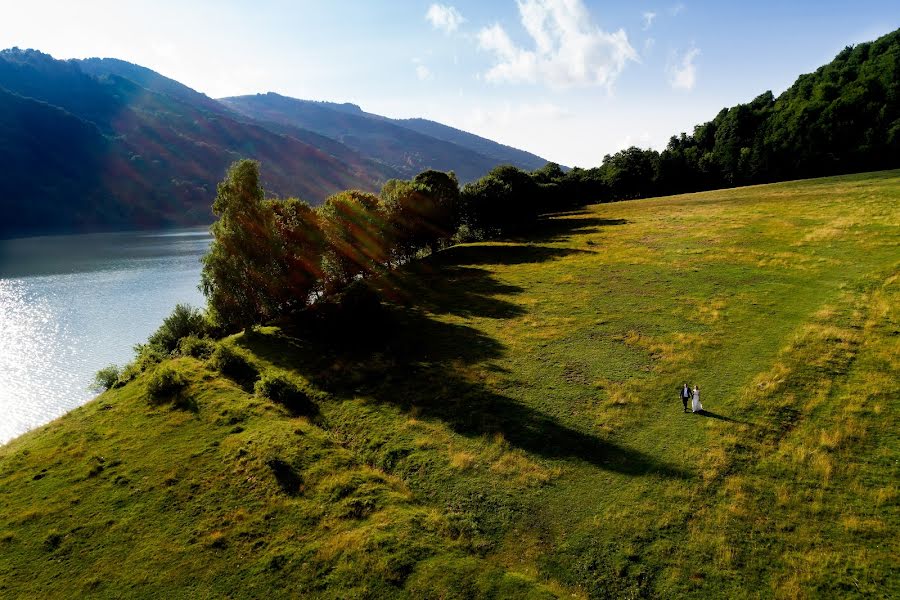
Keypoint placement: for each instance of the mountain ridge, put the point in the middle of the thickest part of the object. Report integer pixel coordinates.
(161, 148)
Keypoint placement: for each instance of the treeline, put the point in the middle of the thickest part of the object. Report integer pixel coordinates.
(843, 118)
(272, 258)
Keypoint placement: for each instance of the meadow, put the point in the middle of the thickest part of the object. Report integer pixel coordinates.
(515, 430)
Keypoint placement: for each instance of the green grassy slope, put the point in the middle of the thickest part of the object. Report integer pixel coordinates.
(518, 434)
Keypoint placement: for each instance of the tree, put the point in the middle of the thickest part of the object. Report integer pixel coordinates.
(300, 247)
(419, 214)
(549, 173)
(353, 228)
(631, 173)
(239, 277)
(443, 191)
(504, 199)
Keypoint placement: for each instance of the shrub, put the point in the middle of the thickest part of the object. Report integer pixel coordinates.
(191, 345)
(231, 363)
(281, 389)
(147, 357)
(106, 378)
(466, 234)
(185, 320)
(166, 383)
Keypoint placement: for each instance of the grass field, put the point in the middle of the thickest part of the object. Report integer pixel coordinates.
(518, 433)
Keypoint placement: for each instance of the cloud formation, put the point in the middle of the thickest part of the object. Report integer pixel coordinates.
(423, 73)
(569, 50)
(443, 17)
(648, 19)
(683, 72)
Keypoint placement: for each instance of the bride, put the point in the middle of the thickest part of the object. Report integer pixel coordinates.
(695, 402)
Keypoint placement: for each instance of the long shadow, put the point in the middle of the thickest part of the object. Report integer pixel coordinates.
(473, 410)
(712, 415)
(557, 227)
(459, 290)
(405, 357)
(505, 254)
(420, 366)
(453, 282)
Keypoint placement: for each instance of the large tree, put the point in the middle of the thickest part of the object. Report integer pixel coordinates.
(240, 271)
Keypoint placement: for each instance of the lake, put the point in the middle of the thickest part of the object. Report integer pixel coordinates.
(70, 305)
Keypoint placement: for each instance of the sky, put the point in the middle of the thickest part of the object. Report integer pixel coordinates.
(569, 80)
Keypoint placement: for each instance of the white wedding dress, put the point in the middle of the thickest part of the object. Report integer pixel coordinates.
(695, 402)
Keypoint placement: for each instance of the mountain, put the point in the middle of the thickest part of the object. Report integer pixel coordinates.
(500, 152)
(135, 157)
(160, 84)
(106, 144)
(406, 146)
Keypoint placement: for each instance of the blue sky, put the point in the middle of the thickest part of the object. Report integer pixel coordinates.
(570, 80)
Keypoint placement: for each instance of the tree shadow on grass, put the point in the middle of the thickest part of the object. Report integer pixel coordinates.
(473, 410)
(422, 366)
(459, 290)
(453, 281)
(556, 227)
(497, 254)
(406, 357)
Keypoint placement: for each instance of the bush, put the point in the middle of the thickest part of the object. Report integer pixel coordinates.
(185, 320)
(147, 357)
(466, 234)
(106, 378)
(281, 389)
(231, 363)
(166, 383)
(201, 348)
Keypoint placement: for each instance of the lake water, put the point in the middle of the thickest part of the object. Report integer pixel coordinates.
(70, 305)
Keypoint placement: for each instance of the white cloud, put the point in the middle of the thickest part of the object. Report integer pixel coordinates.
(423, 73)
(648, 45)
(515, 116)
(643, 141)
(683, 72)
(677, 9)
(446, 18)
(648, 19)
(569, 50)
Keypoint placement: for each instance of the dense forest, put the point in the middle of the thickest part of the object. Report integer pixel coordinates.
(843, 118)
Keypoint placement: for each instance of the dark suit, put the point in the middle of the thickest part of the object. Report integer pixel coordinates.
(685, 394)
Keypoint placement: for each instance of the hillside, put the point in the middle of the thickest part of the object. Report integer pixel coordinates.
(516, 432)
(158, 148)
(408, 146)
(501, 153)
(158, 162)
(842, 118)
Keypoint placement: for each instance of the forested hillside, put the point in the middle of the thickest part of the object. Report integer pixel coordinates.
(843, 118)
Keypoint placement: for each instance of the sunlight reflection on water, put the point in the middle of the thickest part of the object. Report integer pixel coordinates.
(70, 305)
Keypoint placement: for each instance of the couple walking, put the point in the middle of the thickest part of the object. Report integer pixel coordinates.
(693, 396)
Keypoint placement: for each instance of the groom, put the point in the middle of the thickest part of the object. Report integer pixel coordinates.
(685, 396)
